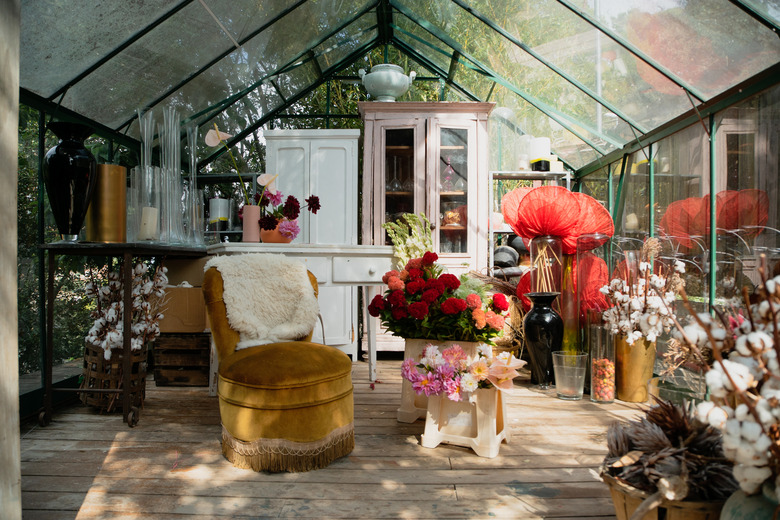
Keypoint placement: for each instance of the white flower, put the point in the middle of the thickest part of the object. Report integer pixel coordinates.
(468, 383)
(679, 266)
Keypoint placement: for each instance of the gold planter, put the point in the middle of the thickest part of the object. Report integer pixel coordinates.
(634, 368)
(107, 213)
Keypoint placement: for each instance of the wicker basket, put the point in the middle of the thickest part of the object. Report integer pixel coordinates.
(627, 498)
(101, 374)
(512, 339)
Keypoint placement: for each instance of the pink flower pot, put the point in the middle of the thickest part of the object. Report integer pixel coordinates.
(273, 236)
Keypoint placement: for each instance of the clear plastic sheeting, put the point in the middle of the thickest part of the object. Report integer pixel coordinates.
(594, 76)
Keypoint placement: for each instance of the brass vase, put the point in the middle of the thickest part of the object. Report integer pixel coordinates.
(634, 367)
(107, 213)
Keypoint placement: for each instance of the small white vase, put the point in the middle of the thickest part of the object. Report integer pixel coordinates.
(386, 81)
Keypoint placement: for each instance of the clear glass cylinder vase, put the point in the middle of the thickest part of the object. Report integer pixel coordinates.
(602, 361)
(547, 264)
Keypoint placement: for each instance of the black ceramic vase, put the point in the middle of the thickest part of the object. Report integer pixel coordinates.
(70, 175)
(543, 335)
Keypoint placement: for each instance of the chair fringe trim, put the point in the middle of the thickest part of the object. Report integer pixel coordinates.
(278, 455)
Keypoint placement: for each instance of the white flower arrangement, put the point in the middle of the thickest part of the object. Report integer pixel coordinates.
(744, 385)
(411, 237)
(642, 300)
(107, 331)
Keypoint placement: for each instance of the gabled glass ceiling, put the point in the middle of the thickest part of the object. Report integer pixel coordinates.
(593, 75)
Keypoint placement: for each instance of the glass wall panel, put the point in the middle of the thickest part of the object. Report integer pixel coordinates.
(748, 169)
(711, 45)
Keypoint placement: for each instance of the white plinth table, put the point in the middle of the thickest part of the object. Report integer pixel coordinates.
(332, 265)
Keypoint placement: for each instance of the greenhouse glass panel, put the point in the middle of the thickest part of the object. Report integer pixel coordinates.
(423, 43)
(152, 65)
(748, 220)
(352, 38)
(297, 80)
(571, 148)
(769, 9)
(710, 45)
(241, 22)
(632, 219)
(681, 181)
(598, 63)
(44, 68)
(539, 82)
(597, 186)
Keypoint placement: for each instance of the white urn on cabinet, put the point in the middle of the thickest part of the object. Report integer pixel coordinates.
(386, 81)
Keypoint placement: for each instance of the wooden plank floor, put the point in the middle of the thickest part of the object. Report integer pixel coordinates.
(87, 465)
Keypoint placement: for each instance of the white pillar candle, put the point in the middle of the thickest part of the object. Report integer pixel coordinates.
(150, 224)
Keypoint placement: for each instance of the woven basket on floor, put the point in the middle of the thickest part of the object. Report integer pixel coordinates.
(100, 373)
(512, 339)
(627, 498)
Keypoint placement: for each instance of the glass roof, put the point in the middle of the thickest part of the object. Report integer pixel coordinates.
(593, 75)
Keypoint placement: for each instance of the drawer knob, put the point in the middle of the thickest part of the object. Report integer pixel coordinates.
(372, 270)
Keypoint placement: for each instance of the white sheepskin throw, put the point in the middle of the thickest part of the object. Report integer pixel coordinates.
(269, 298)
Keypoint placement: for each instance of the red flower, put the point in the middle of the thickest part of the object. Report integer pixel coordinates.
(418, 310)
(399, 313)
(376, 306)
(429, 258)
(415, 273)
(450, 281)
(292, 208)
(435, 284)
(268, 222)
(313, 204)
(453, 306)
(430, 295)
(389, 274)
(499, 302)
(397, 299)
(415, 286)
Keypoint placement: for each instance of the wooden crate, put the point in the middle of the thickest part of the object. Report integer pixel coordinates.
(182, 359)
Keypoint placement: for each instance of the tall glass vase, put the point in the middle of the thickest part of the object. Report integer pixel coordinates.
(543, 335)
(547, 263)
(70, 175)
(568, 305)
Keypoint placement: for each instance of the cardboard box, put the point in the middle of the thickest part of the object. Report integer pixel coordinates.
(188, 270)
(184, 310)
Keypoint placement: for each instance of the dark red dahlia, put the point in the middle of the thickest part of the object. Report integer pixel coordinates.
(313, 204)
(430, 295)
(292, 208)
(499, 302)
(397, 298)
(268, 222)
(415, 273)
(399, 313)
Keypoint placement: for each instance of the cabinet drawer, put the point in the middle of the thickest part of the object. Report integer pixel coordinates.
(360, 270)
(319, 267)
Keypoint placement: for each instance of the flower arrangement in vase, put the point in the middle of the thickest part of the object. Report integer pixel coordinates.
(424, 302)
(642, 293)
(269, 213)
(452, 372)
(744, 383)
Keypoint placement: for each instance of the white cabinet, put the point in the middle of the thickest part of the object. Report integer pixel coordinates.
(429, 158)
(323, 163)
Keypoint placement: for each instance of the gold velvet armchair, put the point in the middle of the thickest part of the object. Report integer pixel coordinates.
(285, 405)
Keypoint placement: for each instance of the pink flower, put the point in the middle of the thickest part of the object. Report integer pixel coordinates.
(275, 198)
(494, 320)
(453, 390)
(455, 356)
(409, 369)
(479, 370)
(473, 301)
(388, 275)
(395, 284)
(289, 228)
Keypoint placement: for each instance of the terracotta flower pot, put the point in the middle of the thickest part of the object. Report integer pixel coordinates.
(273, 236)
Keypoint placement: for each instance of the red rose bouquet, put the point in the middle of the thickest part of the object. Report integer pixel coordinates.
(423, 302)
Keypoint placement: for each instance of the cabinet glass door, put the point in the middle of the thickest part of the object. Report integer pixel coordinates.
(453, 180)
(399, 179)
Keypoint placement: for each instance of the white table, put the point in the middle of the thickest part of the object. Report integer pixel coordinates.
(334, 265)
